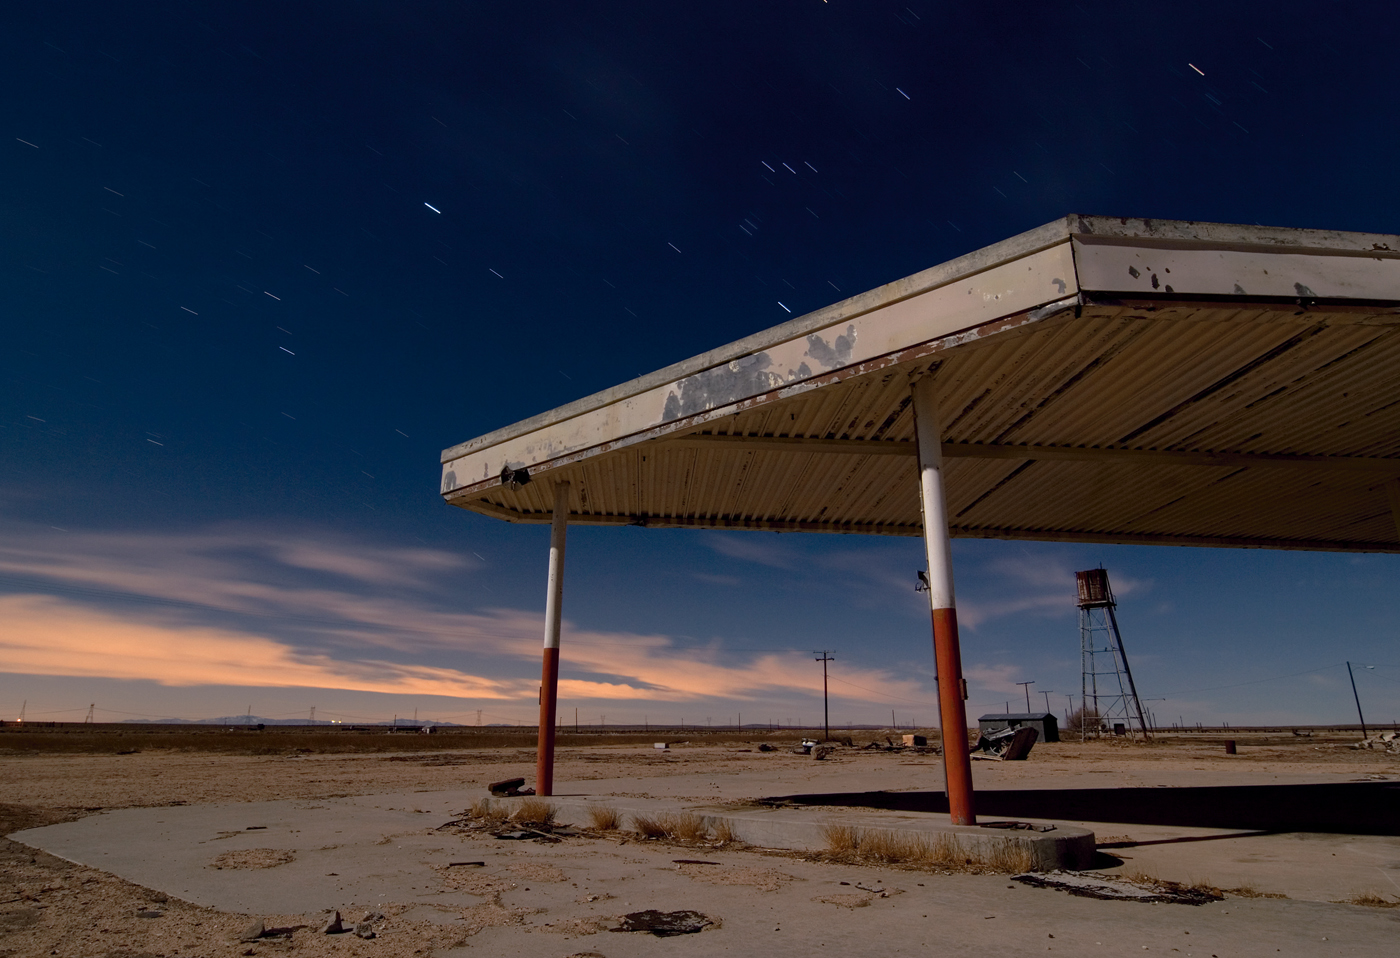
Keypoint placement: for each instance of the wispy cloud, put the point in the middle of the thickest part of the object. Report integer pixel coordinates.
(251, 607)
(751, 548)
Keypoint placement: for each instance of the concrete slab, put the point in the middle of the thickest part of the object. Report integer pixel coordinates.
(358, 847)
(384, 852)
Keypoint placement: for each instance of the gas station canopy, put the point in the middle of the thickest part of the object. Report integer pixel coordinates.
(1096, 379)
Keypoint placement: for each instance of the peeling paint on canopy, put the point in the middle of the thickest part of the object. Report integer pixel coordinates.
(1133, 353)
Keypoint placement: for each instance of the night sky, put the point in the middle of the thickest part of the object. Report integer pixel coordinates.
(262, 262)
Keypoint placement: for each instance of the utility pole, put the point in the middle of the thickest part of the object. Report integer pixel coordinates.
(824, 658)
(1027, 687)
(313, 715)
(1358, 702)
(1046, 693)
(88, 720)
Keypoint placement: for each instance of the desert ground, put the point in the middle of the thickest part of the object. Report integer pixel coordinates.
(285, 828)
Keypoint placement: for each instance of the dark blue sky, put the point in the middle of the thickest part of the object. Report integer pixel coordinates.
(232, 321)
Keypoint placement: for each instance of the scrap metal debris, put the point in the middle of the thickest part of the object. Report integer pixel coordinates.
(664, 924)
(1385, 742)
(1089, 885)
(1007, 744)
(510, 786)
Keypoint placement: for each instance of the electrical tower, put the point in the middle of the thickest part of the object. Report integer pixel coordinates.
(1107, 691)
(88, 720)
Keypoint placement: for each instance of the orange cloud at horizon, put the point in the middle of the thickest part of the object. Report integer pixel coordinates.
(45, 636)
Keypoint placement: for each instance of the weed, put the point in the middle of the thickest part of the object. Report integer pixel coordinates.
(725, 833)
(942, 851)
(1009, 857)
(1371, 900)
(686, 827)
(532, 811)
(604, 819)
(1249, 891)
(841, 839)
(648, 827)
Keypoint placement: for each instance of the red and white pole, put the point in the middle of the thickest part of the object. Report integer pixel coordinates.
(952, 690)
(549, 672)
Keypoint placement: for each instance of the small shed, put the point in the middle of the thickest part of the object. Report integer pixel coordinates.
(1043, 722)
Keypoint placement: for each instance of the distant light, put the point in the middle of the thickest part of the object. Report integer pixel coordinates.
(780, 303)
(498, 274)
(289, 353)
(188, 310)
(902, 93)
(770, 169)
(1197, 69)
(433, 208)
(674, 247)
(278, 298)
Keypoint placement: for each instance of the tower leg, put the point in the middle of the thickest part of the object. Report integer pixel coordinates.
(952, 690)
(549, 672)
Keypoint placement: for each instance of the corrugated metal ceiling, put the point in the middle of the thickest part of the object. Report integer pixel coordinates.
(1191, 377)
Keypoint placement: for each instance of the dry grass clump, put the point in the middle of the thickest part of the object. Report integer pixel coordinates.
(604, 819)
(679, 827)
(533, 811)
(1371, 900)
(1249, 891)
(686, 827)
(724, 832)
(942, 851)
(648, 827)
(841, 839)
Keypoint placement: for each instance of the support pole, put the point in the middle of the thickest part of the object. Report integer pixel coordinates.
(549, 673)
(1392, 490)
(952, 690)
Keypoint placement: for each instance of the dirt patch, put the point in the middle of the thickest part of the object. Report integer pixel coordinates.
(589, 925)
(493, 914)
(846, 899)
(533, 871)
(764, 879)
(474, 881)
(253, 858)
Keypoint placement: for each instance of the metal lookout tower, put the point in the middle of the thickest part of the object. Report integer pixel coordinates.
(1108, 695)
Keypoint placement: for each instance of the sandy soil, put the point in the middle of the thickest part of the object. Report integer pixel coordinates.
(52, 907)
